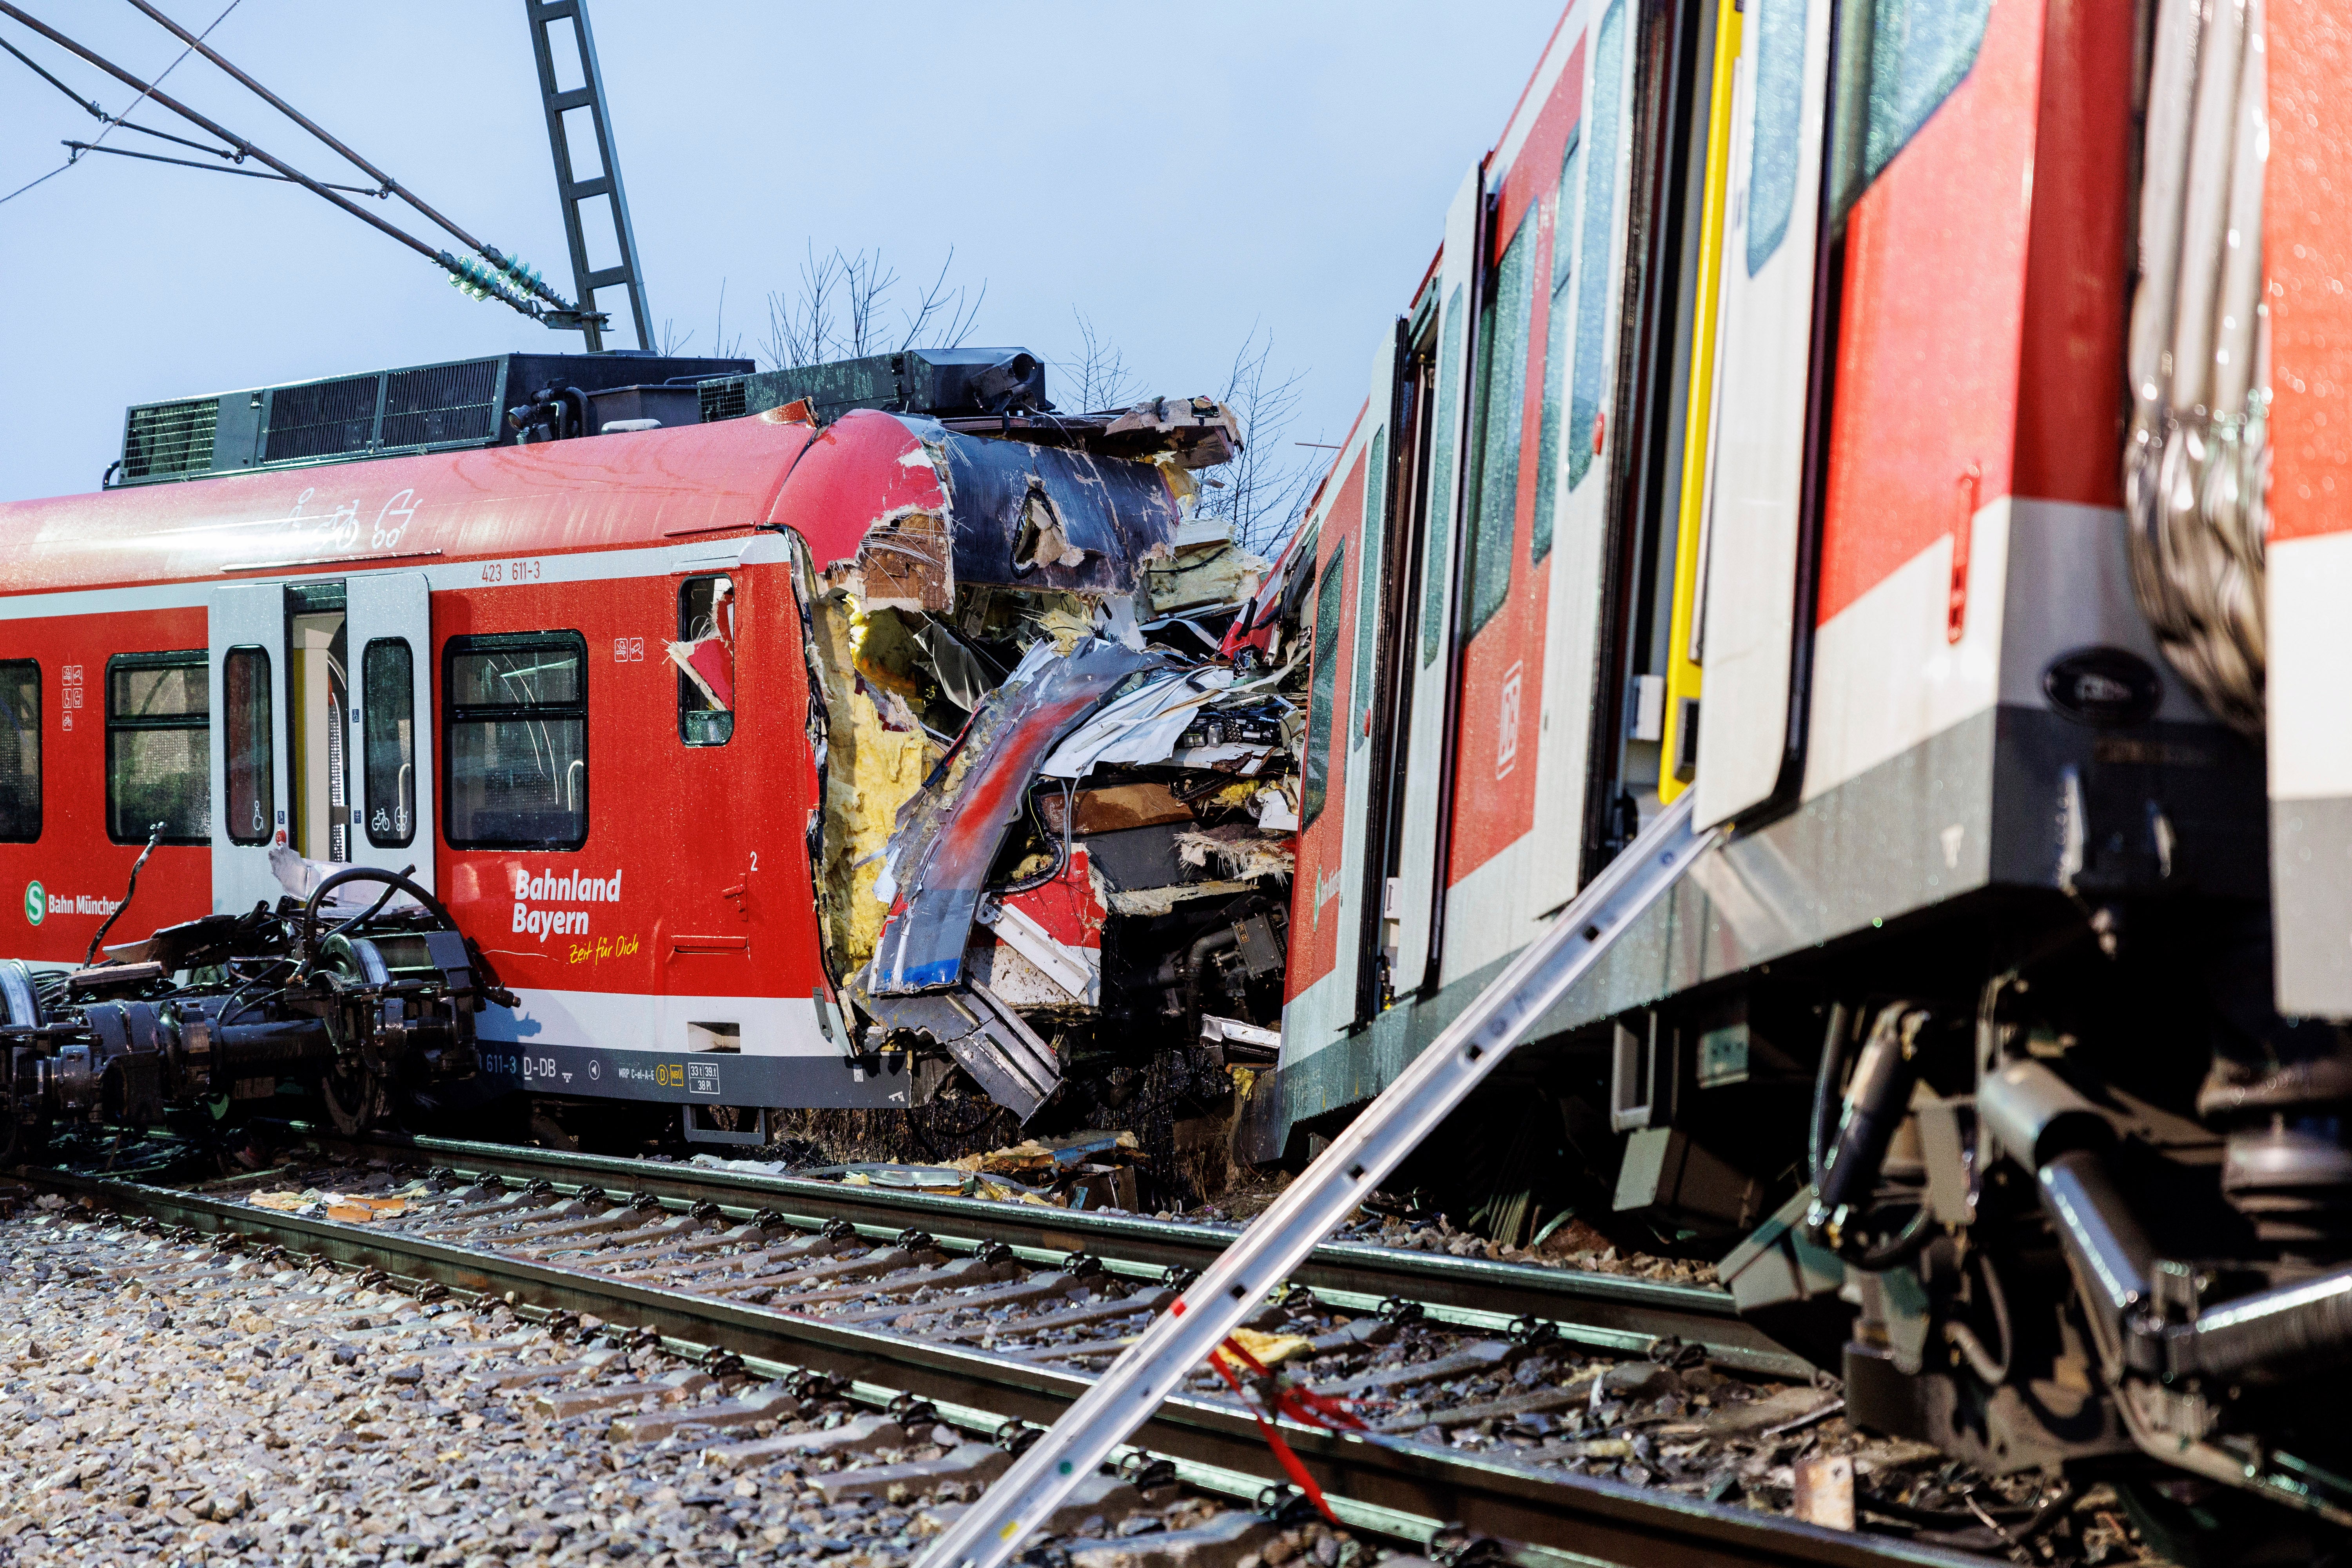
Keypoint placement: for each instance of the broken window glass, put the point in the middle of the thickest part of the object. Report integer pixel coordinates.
(1557, 343)
(517, 721)
(1495, 514)
(1598, 231)
(20, 751)
(1372, 542)
(705, 657)
(1324, 690)
(388, 739)
(1779, 127)
(158, 732)
(246, 745)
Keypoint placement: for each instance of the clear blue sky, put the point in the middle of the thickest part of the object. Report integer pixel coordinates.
(1177, 173)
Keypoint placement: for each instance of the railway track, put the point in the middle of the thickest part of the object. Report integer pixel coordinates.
(1488, 1389)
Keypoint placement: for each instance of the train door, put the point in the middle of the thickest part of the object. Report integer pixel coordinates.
(388, 786)
(247, 637)
(1758, 579)
(1413, 896)
(323, 745)
(1637, 275)
(1380, 675)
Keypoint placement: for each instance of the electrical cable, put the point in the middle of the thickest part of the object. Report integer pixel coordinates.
(34, 66)
(97, 113)
(109, 121)
(488, 284)
(388, 185)
(208, 168)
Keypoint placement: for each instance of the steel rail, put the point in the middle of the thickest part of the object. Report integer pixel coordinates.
(1617, 1311)
(1392, 1487)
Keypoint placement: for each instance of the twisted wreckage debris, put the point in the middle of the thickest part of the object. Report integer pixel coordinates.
(1061, 760)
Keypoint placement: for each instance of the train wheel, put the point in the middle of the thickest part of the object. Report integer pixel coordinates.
(357, 1100)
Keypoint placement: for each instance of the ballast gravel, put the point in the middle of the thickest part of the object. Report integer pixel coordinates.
(164, 1401)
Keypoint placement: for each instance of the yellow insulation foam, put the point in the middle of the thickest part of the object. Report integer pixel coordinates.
(871, 770)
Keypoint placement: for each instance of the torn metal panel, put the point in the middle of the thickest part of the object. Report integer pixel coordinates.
(1238, 1042)
(1144, 726)
(984, 1037)
(1057, 925)
(940, 856)
(1042, 519)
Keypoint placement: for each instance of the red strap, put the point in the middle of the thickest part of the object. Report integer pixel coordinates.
(1289, 1460)
(1302, 1406)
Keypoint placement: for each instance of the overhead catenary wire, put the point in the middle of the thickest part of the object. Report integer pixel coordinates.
(110, 122)
(208, 168)
(97, 113)
(488, 284)
(386, 183)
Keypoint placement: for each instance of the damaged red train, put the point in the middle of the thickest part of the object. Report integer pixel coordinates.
(663, 695)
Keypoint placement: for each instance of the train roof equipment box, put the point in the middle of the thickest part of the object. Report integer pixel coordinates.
(940, 383)
(396, 413)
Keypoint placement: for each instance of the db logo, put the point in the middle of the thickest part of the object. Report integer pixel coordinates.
(670, 1075)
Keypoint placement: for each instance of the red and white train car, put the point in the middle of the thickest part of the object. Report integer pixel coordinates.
(473, 664)
(1861, 417)
(453, 662)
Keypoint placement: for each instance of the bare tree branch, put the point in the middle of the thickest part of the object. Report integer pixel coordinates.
(1098, 378)
(838, 312)
(948, 307)
(1265, 488)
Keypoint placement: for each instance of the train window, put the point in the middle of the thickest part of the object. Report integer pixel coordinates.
(1493, 519)
(20, 751)
(1441, 482)
(1373, 541)
(1323, 687)
(1556, 341)
(1779, 127)
(1918, 54)
(704, 656)
(388, 741)
(249, 767)
(158, 732)
(516, 718)
(1597, 233)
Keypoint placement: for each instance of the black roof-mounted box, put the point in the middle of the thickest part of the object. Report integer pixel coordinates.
(937, 382)
(386, 413)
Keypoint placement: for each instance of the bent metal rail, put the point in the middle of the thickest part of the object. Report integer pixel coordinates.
(1396, 1488)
